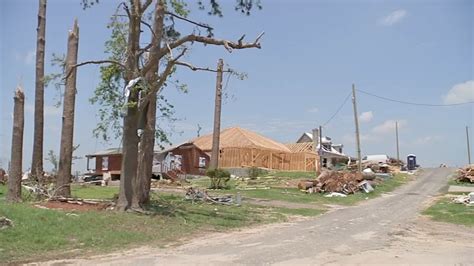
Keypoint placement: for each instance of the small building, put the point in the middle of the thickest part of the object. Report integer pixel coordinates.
(331, 154)
(107, 161)
(185, 158)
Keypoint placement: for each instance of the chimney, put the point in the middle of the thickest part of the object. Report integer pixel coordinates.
(315, 139)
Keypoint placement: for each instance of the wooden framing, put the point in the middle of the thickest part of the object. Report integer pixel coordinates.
(277, 160)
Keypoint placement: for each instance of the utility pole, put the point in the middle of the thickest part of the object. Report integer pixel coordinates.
(356, 120)
(398, 147)
(468, 146)
(214, 163)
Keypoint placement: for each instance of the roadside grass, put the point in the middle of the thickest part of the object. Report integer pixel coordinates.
(453, 182)
(41, 234)
(301, 211)
(295, 195)
(444, 210)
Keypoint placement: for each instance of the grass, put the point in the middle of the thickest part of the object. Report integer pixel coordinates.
(295, 195)
(453, 182)
(444, 210)
(40, 234)
(94, 192)
(301, 211)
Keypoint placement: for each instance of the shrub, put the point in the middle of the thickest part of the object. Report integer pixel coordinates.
(219, 178)
(255, 172)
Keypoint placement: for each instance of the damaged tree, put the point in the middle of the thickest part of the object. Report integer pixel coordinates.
(37, 160)
(144, 81)
(67, 132)
(14, 177)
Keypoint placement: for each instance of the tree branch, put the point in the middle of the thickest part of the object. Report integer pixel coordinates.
(229, 45)
(146, 4)
(161, 79)
(202, 25)
(194, 68)
(94, 62)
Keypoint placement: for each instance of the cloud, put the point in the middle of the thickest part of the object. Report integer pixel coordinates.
(366, 117)
(427, 140)
(393, 18)
(388, 126)
(49, 110)
(460, 93)
(313, 110)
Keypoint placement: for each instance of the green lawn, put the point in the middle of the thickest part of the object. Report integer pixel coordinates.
(40, 234)
(94, 192)
(446, 211)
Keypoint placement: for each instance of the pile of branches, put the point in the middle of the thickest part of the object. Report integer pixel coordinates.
(333, 181)
(465, 174)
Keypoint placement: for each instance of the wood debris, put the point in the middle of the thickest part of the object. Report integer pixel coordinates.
(333, 181)
(465, 174)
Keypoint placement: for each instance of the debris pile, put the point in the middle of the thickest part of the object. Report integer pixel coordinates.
(337, 181)
(5, 223)
(195, 194)
(466, 200)
(466, 174)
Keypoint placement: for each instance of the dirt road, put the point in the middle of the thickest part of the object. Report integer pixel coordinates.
(384, 230)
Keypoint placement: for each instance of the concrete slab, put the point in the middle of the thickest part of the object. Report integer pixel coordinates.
(461, 189)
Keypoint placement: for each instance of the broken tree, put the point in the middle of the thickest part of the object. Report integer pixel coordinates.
(67, 132)
(37, 158)
(14, 177)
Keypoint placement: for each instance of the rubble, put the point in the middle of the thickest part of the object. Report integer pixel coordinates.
(465, 174)
(342, 182)
(466, 200)
(195, 194)
(5, 223)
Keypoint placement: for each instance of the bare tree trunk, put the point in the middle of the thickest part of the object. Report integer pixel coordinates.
(130, 126)
(145, 155)
(14, 177)
(147, 142)
(214, 163)
(37, 160)
(67, 132)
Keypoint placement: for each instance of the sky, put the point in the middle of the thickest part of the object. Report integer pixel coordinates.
(312, 52)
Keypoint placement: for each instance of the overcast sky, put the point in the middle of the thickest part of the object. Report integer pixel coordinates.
(312, 51)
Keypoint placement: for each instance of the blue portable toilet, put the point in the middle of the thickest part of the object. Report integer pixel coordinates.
(411, 161)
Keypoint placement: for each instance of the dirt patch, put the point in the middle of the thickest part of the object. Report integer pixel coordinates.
(57, 205)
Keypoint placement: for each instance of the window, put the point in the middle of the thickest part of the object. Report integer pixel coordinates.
(202, 162)
(105, 163)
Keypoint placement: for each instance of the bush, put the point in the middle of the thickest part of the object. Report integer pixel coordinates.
(219, 178)
(255, 172)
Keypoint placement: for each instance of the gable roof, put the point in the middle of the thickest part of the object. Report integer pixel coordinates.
(308, 135)
(236, 137)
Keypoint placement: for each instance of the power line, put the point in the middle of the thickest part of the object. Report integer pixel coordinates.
(412, 103)
(338, 109)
